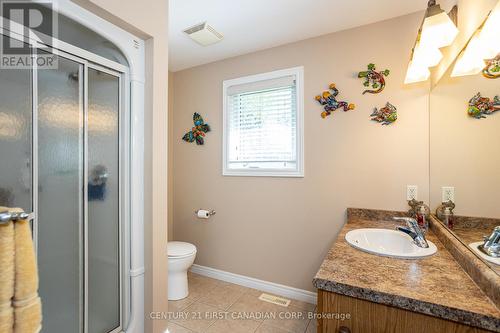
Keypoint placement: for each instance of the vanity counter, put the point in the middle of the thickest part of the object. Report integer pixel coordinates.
(435, 286)
(476, 234)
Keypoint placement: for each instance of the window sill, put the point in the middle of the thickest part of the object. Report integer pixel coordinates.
(263, 173)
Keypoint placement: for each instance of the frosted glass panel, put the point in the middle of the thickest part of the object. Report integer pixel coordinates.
(15, 138)
(60, 175)
(103, 208)
(79, 264)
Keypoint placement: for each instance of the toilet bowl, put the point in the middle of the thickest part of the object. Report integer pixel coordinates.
(180, 257)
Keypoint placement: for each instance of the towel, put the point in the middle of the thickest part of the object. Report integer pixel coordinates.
(6, 318)
(27, 304)
(6, 276)
(28, 316)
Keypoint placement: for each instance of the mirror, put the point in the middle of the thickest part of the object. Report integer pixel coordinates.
(465, 158)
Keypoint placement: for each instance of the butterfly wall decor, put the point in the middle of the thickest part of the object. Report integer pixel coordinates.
(197, 133)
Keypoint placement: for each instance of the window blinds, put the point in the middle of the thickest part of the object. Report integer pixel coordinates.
(262, 124)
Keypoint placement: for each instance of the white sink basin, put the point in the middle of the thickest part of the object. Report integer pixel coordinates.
(388, 243)
(475, 248)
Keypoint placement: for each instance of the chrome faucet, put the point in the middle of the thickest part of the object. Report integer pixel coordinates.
(491, 244)
(413, 230)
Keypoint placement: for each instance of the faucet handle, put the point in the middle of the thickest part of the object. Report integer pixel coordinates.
(494, 238)
(407, 231)
(410, 221)
(406, 219)
(415, 232)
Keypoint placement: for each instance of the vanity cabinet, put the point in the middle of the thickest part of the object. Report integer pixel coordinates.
(370, 317)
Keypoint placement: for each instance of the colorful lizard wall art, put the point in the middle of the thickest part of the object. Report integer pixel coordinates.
(480, 107)
(198, 131)
(386, 115)
(374, 79)
(330, 103)
(492, 68)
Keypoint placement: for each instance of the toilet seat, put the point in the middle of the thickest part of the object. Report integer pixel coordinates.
(177, 250)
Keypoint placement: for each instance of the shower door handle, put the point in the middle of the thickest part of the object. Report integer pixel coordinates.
(6, 217)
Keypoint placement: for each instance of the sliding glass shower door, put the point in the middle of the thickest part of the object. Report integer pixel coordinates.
(103, 225)
(59, 221)
(61, 129)
(16, 133)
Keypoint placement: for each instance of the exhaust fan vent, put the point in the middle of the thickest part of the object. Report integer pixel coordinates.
(204, 34)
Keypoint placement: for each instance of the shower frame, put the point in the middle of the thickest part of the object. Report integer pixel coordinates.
(89, 60)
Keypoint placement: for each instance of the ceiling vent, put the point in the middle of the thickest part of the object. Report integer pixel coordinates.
(204, 34)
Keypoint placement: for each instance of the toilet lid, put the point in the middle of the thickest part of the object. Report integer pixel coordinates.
(180, 249)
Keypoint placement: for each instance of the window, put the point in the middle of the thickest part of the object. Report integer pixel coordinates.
(263, 125)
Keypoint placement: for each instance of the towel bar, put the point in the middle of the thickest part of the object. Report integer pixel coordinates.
(6, 216)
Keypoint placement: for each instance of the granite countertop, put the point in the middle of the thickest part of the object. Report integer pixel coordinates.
(435, 285)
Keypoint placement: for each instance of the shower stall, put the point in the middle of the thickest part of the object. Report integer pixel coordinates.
(65, 146)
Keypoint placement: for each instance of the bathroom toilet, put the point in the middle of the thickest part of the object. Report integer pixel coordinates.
(180, 257)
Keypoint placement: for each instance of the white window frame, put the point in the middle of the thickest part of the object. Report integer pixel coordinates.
(298, 72)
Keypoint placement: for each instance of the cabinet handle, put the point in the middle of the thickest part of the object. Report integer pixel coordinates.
(343, 329)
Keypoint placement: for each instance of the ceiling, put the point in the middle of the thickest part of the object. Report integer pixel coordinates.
(252, 25)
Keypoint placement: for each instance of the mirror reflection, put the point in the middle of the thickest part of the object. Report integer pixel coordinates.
(465, 161)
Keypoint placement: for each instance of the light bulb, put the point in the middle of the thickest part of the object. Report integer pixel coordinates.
(427, 56)
(438, 31)
(471, 60)
(416, 73)
(485, 44)
(490, 34)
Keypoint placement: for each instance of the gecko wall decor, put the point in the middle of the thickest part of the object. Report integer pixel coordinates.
(492, 68)
(330, 103)
(386, 115)
(480, 107)
(374, 79)
(197, 133)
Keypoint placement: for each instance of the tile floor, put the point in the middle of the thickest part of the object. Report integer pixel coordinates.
(215, 306)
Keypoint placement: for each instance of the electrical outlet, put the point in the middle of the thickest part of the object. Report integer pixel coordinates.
(411, 192)
(448, 194)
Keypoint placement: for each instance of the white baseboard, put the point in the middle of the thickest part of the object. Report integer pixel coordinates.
(270, 287)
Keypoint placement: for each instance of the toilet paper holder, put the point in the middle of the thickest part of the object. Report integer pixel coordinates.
(210, 212)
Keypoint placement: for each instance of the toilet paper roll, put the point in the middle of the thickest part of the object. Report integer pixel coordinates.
(203, 214)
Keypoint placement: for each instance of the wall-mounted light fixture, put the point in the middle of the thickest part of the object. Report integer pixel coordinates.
(484, 44)
(438, 30)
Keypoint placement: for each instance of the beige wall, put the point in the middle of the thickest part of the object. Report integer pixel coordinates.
(149, 20)
(464, 150)
(279, 229)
